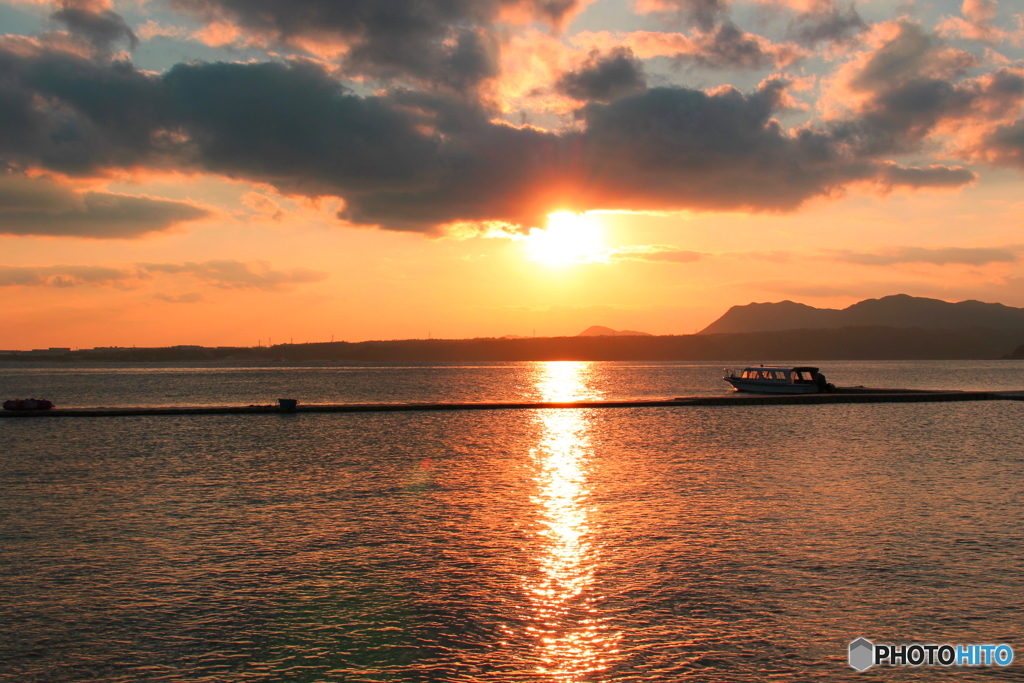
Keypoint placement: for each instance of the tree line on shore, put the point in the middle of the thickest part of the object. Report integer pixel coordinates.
(852, 343)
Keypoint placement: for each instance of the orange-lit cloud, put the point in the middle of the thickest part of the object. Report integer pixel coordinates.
(218, 34)
(979, 24)
(910, 87)
(151, 29)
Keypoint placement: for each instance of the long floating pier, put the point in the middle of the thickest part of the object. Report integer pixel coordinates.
(841, 395)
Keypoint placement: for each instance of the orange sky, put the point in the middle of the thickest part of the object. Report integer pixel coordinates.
(251, 179)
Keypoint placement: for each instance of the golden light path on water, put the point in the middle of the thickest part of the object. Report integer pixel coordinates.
(573, 641)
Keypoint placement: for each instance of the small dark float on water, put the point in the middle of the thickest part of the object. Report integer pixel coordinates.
(28, 404)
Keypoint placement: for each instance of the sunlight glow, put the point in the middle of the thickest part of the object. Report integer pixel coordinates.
(569, 238)
(574, 639)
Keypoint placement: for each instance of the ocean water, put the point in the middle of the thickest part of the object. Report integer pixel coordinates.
(653, 544)
(180, 384)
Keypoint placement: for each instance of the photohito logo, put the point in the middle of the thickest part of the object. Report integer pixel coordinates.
(864, 654)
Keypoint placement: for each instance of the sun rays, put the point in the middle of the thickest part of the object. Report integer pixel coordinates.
(569, 238)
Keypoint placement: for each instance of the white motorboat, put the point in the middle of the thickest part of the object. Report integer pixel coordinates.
(779, 380)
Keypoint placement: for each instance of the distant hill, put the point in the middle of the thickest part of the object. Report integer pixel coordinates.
(598, 331)
(848, 343)
(899, 311)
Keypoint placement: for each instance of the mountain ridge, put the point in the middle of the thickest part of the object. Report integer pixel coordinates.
(599, 331)
(898, 311)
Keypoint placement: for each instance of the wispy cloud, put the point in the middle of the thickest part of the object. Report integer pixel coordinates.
(64, 276)
(228, 274)
(187, 298)
(657, 253)
(971, 256)
(224, 274)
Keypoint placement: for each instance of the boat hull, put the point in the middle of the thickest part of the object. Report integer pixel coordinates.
(767, 386)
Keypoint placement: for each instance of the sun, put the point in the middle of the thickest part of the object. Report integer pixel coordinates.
(569, 238)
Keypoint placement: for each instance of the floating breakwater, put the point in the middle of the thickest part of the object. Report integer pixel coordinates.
(841, 395)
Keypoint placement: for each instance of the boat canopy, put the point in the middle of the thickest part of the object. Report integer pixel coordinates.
(782, 368)
(776, 373)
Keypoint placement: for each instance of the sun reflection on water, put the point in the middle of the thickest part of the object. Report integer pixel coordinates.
(573, 640)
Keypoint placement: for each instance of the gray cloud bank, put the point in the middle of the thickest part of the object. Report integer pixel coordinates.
(440, 42)
(605, 77)
(102, 28)
(37, 206)
(823, 20)
(410, 160)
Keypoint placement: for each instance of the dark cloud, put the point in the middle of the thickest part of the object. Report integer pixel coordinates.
(914, 54)
(230, 274)
(729, 47)
(35, 206)
(979, 256)
(294, 127)
(605, 78)
(913, 83)
(76, 115)
(893, 175)
(290, 125)
(828, 21)
(1005, 145)
(666, 148)
(101, 27)
(1005, 89)
(410, 160)
(445, 42)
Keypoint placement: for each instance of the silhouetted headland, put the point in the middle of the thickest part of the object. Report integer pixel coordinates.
(899, 310)
(896, 327)
(852, 343)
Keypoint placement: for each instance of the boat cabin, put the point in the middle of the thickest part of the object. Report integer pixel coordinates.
(793, 375)
(778, 380)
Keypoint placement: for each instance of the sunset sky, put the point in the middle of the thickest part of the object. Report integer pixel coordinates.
(227, 172)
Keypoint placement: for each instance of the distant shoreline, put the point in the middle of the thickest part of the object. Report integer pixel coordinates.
(851, 343)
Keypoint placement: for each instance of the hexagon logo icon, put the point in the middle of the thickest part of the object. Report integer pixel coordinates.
(862, 654)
